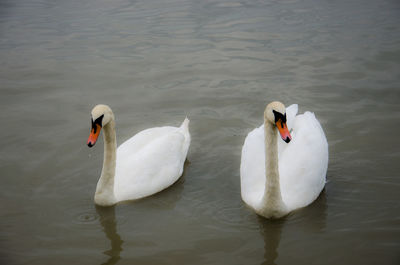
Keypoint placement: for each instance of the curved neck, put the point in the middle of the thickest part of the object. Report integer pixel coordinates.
(272, 204)
(105, 186)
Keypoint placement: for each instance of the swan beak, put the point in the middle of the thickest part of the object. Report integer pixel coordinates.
(283, 131)
(94, 134)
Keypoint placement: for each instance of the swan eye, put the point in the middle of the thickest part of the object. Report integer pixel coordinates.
(279, 116)
(98, 121)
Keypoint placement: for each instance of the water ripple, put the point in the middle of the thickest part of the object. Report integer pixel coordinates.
(85, 218)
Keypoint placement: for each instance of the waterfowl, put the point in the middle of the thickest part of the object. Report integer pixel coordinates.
(281, 171)
(145, 164)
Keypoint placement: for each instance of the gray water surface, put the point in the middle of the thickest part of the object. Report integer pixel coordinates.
(219, 63)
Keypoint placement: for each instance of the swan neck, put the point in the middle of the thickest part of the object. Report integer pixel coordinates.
(105, 186)
(272, 204)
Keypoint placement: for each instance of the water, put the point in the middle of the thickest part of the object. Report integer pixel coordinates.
(220, 63)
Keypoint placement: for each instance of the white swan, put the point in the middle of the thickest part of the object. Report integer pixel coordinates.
(277, 178)
(147, 163)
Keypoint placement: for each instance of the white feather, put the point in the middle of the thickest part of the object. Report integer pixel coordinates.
(150, 161)
(303, 162)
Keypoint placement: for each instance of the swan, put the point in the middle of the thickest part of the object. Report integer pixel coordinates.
(277, 177)
(145, 164)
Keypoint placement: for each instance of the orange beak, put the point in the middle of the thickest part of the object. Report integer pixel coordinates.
(283, 131)
(94, 134)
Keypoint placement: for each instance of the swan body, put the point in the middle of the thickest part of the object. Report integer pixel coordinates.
(145, 164)
(278, 177)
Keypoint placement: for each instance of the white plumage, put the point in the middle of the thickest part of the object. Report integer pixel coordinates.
(302, 163)
(150, 161)
(145, 164)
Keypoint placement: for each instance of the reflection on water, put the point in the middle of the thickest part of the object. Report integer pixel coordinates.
(163, 201)
(109, 224)
(311, 218)
(271, 231)
(219, 63)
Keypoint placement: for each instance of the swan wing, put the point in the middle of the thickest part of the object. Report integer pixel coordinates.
(291, 113)
(150, 161)
(252, 167)
(303, 163)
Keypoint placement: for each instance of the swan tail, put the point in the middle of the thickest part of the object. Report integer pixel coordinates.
(185, 124)
(185, 130)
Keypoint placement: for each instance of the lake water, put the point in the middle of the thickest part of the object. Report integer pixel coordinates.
(219, 63)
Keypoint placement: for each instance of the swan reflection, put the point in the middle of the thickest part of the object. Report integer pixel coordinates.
(271, 231)
(311, 219)
(109, 224)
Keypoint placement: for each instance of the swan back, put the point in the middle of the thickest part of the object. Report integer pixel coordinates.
(303, 163)
(151, 161)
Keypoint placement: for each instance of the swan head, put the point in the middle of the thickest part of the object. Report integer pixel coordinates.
(275, 113)
(101, 116)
